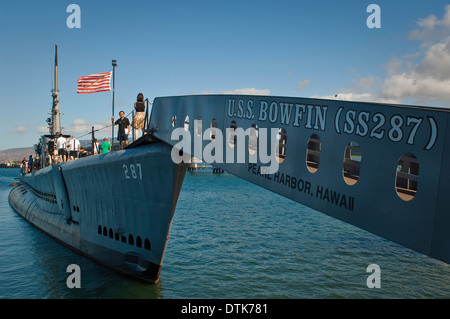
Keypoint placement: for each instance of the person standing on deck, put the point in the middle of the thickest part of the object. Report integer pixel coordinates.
(105, 147)
(61, 146)
(124, 129)
(139, 117)
(96, 147)
(24, 166)
(74, 148)
(30, 163)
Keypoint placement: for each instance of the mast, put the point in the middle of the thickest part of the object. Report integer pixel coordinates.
(56, 118)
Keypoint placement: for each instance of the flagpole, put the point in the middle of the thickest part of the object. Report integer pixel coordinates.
(114, 64)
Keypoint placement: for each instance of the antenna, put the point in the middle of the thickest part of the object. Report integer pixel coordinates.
(56, 68)
(56, 117)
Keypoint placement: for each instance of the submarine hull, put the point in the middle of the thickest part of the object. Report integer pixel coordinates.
(115, 208)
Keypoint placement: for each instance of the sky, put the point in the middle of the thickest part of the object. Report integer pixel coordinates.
(295, 48)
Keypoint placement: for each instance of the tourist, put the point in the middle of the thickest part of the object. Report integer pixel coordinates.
(24, 166)
(139, 117)
(30, 164)
(61, 146)
(74, 148)
(105, 147)
(124, 129)
(96, 147)
(37, 162)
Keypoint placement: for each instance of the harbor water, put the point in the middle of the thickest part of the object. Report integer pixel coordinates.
(229, 239)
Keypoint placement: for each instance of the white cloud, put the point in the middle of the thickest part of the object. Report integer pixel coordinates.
(363, 90)
(78, 126)
(20, 128)
(303, 84)
(423, 76)
(436, 61)
(43, 130)
(427, 80)
(431, 28)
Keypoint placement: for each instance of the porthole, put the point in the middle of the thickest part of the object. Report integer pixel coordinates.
(130, 239)
(352, 163)
(213, 129)
(253, 139)
(174, 120)
(232, 138)
(407, 177)
(114, 235)
(147, 244)
(186, 123)
(313, 153)
(138, 242)
(281, 149)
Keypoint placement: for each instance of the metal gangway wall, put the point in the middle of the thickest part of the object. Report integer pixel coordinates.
(383, 168)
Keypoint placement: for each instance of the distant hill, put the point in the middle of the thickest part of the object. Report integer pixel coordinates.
(16, 154)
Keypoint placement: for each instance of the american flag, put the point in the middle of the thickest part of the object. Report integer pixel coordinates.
(94, 83)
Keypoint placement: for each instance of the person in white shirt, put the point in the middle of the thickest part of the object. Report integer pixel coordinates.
(74, 148)
(61, 147)
(96, 148)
